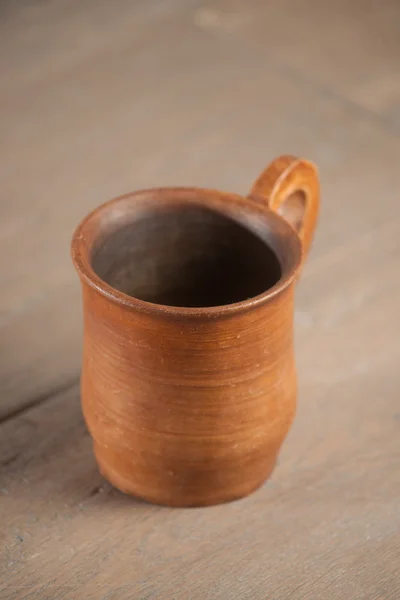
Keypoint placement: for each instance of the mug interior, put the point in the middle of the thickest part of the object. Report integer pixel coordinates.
(186, 255)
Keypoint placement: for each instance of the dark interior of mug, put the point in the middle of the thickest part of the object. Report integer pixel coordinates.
(186, 256)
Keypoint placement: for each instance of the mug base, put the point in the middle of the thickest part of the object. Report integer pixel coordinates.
(168, 497)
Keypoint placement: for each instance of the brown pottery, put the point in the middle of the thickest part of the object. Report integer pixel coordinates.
(188, 379)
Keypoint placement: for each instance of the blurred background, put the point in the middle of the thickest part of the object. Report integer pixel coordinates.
(99, 98)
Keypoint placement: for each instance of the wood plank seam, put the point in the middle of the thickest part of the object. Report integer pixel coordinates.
(294, 74)
(40, 399)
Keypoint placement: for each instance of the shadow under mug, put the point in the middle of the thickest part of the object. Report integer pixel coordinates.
(188, 381)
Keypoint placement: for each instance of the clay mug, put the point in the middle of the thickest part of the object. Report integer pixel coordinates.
(188, 382)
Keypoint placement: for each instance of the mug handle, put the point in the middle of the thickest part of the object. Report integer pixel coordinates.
(290, 187)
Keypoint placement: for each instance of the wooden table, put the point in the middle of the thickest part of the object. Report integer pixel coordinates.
(103, 97)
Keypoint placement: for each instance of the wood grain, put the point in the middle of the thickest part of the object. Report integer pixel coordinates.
(72, 169)
(99, 98)
(330, 508)
(346, 50)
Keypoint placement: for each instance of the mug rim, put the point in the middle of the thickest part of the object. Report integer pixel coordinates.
(89, 230)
